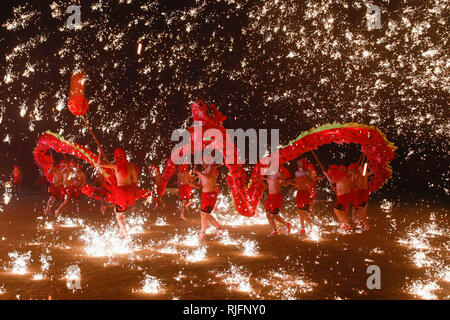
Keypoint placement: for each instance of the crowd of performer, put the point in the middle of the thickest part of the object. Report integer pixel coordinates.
(350, 184)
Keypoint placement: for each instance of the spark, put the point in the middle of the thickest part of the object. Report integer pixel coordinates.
(250, 248)
(19, 263)
(151, 285)
(424, 289)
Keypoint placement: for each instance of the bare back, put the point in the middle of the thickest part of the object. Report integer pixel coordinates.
(208, 179)
(130, 178)
(58, 177)
(343, 186)
(274, 183)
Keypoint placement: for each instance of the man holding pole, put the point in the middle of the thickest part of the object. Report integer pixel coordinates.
(124, 193)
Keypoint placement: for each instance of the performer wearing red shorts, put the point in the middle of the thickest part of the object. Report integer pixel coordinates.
(57, 179)
(208, 184)
(363, 198)
(184, 189)
(274, 203)
(303, 183)
(157, 198)
(17, 180)
(123, 195)
(274, 200)
(73, 181)
(56, 191)
(341, 184)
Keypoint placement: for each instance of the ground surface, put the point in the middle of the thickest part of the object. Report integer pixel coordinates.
(164, 259)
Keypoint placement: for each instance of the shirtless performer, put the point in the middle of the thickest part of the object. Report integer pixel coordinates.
(56, 185)
(341, 184)
(274, 201)
(157, 199)
(359, 179)
(74, 180)
(42, 182)
(313, 186)
(184, 189)
(17, 180)
(208, 180)
(303, 181)
(124, 194)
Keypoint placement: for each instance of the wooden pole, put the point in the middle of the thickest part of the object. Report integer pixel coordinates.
(360, 158)
(317, 159)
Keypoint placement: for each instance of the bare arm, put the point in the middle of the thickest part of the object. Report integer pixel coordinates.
(83, 179)
(196, 185)
(134, 176)
(107, 166)
(261, 180)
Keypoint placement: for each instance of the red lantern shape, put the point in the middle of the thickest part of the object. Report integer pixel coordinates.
(78, 104)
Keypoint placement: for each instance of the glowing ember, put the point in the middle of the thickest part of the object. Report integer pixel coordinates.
(19, 263)
(160, 221)
(314, 233)
(250, 248)
(424, 289)
(196, 256)
(236, 279)
(38, 276)
(151, 285)
(102, 243)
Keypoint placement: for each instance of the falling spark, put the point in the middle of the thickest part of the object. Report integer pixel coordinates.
(424, 289)
(250, 248)
(196, 256)
(236, 279)
(38, 276)
(151, 285)
(19, 263)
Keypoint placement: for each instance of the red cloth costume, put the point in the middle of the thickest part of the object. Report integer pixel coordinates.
(274, 203)
(56, 191)
(208, 201)
(343, 201)
(17, 178)
(122, 196)
(185, 192)
(303, 199)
